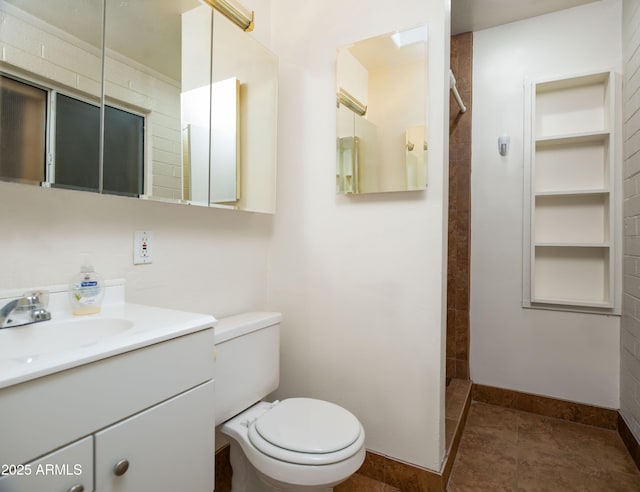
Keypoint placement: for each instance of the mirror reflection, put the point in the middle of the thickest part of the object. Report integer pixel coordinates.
(381, 141)
(150, 61)
(238, 56)
(182, 123)
(50, 92)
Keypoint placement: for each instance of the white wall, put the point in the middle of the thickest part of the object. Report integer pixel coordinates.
(630, 336)
(204, 260)
(565, 355)
(359, 279)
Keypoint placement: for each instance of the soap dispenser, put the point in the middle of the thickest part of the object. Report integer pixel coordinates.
(87, 290)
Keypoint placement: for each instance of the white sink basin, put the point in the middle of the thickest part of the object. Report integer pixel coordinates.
(67, 341)
(27, 343)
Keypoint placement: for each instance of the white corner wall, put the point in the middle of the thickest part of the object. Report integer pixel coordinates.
(630, 336)
(360, 279)
(564, 355)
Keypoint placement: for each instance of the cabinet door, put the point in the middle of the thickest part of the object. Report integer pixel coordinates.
(70, 469)
(167, 448)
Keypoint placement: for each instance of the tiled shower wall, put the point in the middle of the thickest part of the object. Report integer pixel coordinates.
(630, 333)
(459, 211)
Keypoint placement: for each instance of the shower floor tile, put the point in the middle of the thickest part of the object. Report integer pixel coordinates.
(509, 450)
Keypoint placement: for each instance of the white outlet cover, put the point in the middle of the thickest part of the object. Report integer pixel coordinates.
(142, 247)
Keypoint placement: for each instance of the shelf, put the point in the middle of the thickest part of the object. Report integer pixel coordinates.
(572, 163)
(569, 193)
(574, 275)
(571, 218)
(571, 82)
(570, 242)
(574, 105)
(573, 138)
(572, 302)
(572, 245)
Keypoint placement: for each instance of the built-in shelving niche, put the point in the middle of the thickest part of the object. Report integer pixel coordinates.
(570, 255)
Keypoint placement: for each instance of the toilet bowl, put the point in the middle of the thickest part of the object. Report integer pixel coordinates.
(297, 444)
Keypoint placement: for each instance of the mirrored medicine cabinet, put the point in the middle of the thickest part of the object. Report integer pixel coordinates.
(187, 100)
(381, 136)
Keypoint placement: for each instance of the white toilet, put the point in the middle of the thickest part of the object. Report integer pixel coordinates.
(299, 444)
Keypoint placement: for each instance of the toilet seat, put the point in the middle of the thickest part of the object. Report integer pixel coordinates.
(306, 431)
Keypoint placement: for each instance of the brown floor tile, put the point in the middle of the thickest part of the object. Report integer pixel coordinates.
(487, 454)
(508, 450)
(548, 441)
(491, 420)
(455, 398)
(554, 478)
(485, 461)
(479, 488)
(373, 466)
(360, 483)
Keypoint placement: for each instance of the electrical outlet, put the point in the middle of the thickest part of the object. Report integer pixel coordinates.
(142, 247)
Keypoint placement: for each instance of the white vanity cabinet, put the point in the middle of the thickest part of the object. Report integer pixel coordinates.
(151, 408)
(166, 448)
(67, 469)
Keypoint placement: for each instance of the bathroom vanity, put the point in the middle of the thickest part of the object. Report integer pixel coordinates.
(130, 411)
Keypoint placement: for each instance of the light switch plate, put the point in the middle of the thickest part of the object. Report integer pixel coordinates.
(142, 247)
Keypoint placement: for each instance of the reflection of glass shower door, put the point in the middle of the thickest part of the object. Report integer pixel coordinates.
(348, 165)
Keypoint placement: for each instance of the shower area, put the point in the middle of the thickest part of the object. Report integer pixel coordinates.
(459, 235)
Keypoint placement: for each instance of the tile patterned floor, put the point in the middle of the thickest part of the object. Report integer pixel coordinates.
(509, 450)
(360, 483)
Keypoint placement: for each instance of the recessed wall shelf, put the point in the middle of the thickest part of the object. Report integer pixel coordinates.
(570, 247)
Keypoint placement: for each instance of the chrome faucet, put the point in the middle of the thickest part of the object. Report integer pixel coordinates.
(28, 309)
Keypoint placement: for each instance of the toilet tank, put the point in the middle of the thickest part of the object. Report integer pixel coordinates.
(247, 365)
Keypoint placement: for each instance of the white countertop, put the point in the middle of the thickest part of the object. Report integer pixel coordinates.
(140, 326)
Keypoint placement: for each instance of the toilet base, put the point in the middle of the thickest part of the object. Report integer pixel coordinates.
(246, 478)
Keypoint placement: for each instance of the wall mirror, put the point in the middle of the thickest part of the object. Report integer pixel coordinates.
(179, 124)
(381, 137)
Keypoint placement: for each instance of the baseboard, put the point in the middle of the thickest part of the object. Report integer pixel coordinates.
(629, 440)
(580, 413)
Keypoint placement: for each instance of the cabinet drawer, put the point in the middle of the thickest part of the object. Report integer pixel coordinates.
(59, 471)
(60, 408)
(167, 448)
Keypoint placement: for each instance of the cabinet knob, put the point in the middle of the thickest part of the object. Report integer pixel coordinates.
(121, 467)
(77, 488)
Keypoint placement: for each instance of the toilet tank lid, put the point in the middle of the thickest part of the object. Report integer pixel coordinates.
(241, 324)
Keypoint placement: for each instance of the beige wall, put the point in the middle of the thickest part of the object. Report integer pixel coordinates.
(359, 278)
